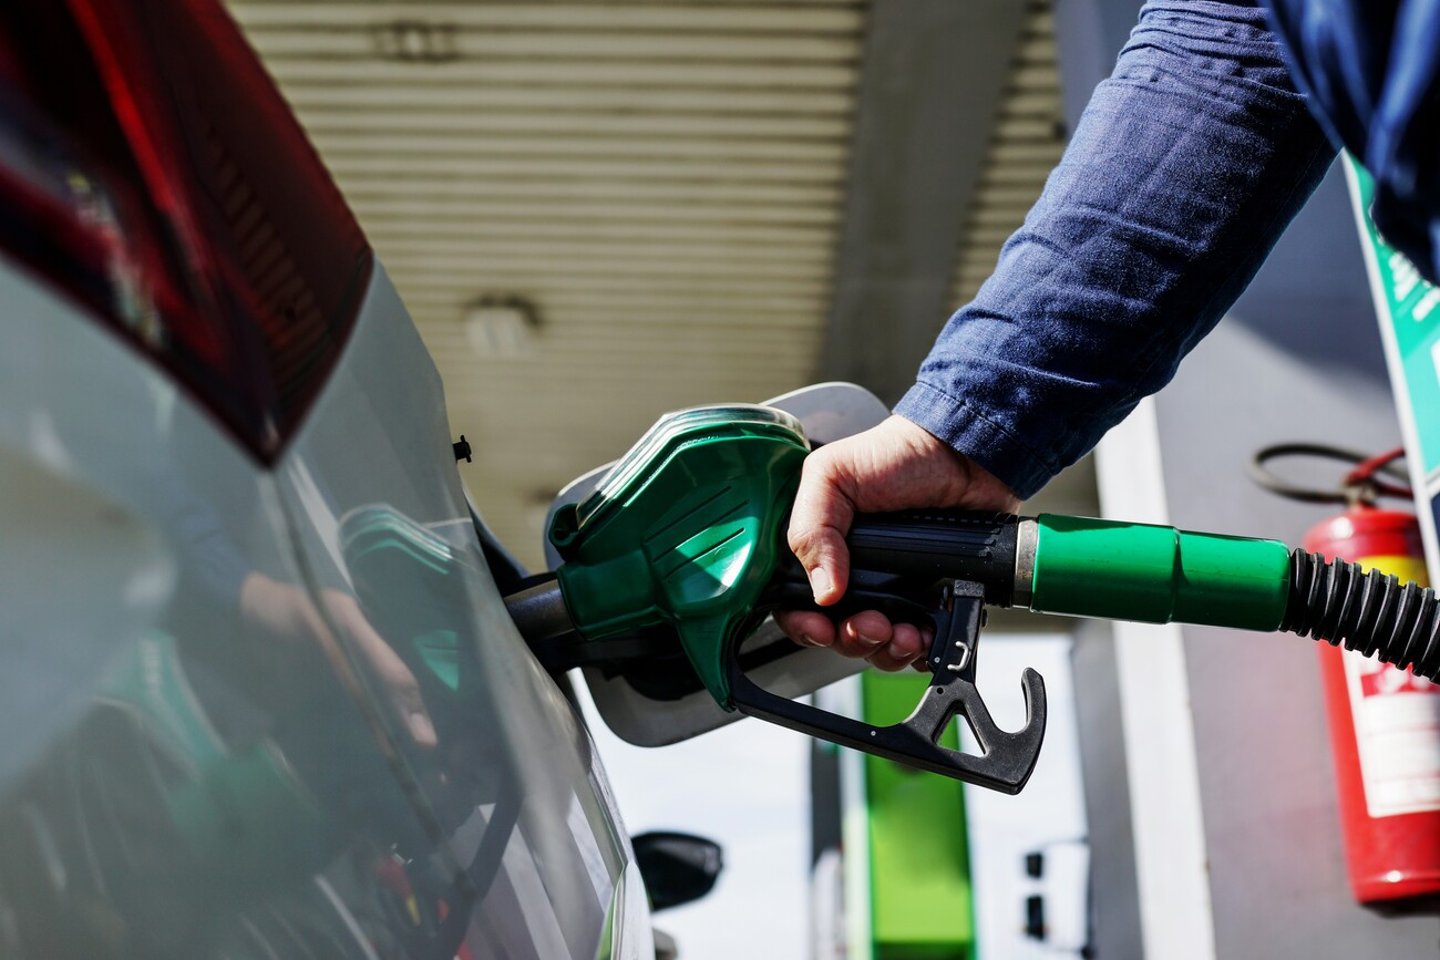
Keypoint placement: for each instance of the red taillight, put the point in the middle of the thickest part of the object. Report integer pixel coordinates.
(176, 196)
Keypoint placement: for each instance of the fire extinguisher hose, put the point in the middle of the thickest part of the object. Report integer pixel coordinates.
(1366, 611)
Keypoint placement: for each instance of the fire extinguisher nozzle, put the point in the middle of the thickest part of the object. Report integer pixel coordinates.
(1369, 612)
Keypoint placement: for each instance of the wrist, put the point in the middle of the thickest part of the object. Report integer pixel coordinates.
(973, 485)
(1017, 465)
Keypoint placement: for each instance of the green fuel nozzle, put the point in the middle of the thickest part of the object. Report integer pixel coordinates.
(684, 540)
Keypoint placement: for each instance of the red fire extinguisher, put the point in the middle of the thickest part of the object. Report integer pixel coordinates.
(1384, 722)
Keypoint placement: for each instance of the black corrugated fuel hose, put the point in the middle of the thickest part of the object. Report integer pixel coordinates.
(1369, 612)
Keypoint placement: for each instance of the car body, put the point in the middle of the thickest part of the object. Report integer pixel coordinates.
(260, 692)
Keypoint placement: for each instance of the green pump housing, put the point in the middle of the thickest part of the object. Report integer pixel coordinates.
(684, 531)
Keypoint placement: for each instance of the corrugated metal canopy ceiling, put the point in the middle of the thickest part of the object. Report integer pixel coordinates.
(654, 188)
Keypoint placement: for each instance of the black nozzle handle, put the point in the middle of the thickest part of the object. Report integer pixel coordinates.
(928, 546)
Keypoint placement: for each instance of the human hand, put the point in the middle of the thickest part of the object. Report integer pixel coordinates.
(896, 465)
(285, 612)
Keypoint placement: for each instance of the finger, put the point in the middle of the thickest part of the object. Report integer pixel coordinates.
(883, 659)
(806, 627)
(819, 521)
(401, 687)
(907, 644)
(927, 640)
(403, 691)
(863, 633)
(904, 648)
(411, 709)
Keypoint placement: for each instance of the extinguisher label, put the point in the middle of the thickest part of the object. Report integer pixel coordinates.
(1397, 734)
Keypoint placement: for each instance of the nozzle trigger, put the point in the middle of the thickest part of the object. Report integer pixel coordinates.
(1008, 758)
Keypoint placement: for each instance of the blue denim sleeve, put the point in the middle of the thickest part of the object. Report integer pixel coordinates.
(1185, 168)
(1372, 70)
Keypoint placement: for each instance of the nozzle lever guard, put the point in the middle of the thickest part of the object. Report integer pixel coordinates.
(1007, 759)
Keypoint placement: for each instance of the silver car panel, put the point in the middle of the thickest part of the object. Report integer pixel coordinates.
(372, 489)
(184, 780)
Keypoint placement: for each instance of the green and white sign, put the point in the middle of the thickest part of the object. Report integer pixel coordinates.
(1408, 308)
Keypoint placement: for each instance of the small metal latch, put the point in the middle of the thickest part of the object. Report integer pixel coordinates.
(462, 449)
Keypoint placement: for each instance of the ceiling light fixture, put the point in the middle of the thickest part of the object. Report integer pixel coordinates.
(501, 326)
(416, 41)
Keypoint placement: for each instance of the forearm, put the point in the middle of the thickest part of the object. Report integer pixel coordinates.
(1186, 167)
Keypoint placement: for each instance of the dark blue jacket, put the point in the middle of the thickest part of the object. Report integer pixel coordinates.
(1186, 167)
(1371, 69)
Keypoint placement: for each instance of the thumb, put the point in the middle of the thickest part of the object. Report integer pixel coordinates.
(818, 523)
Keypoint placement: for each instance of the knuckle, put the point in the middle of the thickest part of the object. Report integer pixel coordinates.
(819, 463)
(815, 544)
(804, 541)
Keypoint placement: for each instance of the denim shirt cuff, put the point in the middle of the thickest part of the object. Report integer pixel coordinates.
(969, 431)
